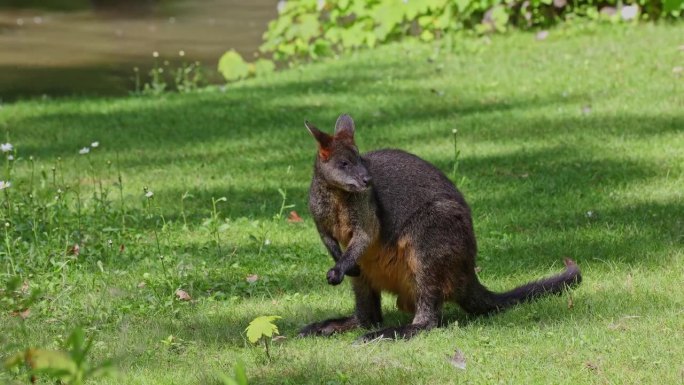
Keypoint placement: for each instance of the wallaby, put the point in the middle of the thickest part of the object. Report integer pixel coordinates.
(394, 222)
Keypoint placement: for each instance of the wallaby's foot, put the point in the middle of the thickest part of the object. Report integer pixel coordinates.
(335, 276)
(330, 327)
(394, 333)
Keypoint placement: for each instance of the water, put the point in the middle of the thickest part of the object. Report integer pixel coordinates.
(93, 51)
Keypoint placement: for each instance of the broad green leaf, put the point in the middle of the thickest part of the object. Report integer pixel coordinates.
(263, 67)
(225, 380)
(51, 361)
(262, 327)
(443, 20)
(240, 374)
(371, 39)
(672, 5)
(462, 5)
(500, 18)
(426, 21)
(232, 66)
(320, 47)
(427, 35)
(309, 27)
(14, 360)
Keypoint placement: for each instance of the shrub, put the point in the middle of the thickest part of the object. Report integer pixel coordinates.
(314, 28)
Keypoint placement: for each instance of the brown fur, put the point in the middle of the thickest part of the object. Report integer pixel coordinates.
(392, 269)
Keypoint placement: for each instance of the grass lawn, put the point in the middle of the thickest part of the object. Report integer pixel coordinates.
(569, 147)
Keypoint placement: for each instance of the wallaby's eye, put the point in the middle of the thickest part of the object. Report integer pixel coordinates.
(344, 164)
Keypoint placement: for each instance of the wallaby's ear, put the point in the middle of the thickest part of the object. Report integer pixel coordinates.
(344, 128)
(324, 140)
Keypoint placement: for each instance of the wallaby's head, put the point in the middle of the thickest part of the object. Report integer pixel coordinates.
(338, 161)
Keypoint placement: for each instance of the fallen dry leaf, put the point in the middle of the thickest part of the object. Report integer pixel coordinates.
(677, 69)
(25, 287)
(24, 314)
(620, 324)
(122, 248)
(628, 283)
(74, 250)
(252, 278)
(590, 365)
(458, 360)
(278, 338)
(183, 295)
(586, 110)
(141, 285)
(608, 11)
(294, 217)
(542, 35)
(571, 303)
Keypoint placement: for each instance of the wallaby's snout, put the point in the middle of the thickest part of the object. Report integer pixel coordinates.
(367, 180)
(361, 184)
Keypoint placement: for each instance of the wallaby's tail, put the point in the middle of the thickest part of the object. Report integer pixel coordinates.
(479, 300)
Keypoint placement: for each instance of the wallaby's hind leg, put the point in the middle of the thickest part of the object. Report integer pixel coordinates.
(428, 304)
(428, 310)
(440, 238)
(367, 314)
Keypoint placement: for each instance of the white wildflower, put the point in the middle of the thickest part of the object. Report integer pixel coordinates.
(149, 194)
(629, 12)
(4, 185)
(155, 54)
(6, 147)
(84, 150)
(181, 53)
(280, 6)
(94, 144)
(267, 242)
(10, 157)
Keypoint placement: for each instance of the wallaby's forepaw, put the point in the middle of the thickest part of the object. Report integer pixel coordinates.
(329, 327)
(335, 276)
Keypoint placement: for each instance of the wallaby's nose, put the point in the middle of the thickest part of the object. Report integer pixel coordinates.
(366, 180)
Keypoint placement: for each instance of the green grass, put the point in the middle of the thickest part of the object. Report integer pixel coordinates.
(570, 147)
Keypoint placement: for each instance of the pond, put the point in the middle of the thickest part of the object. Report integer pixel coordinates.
(93, 49)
